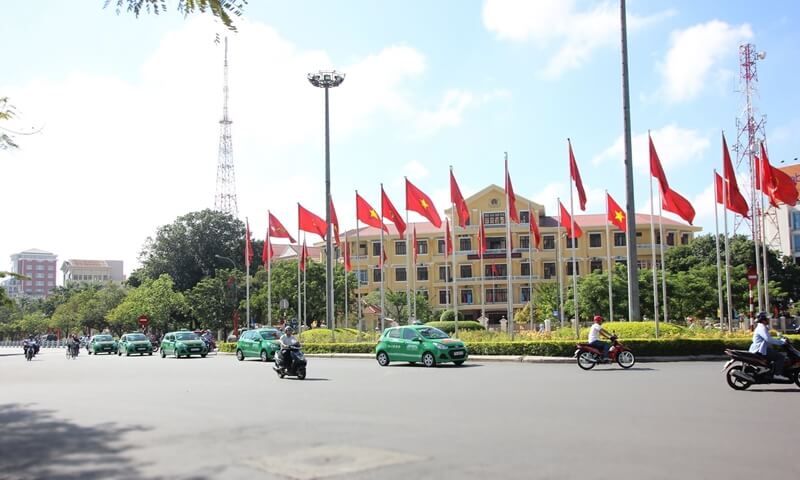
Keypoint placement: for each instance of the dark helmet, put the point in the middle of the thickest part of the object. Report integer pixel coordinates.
(597, 319)
(288, 330)
(762, 317)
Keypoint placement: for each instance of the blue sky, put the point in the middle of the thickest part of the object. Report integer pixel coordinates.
(130, 107)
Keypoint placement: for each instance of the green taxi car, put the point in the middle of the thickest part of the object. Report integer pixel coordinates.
(261, 342)
(134, 343)
(418, 343)
(102, 343)
(183, 344)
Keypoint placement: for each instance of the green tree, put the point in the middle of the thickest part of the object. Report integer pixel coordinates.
(210, 302)
(155, 298)
(220, 9)
(6, 140)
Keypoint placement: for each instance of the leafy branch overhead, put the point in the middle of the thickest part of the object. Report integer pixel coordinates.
(221, 9)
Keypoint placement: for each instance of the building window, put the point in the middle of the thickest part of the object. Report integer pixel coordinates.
(440, 246)
(671, 238)
(796, 220)
(619, 239)
(570, 240)
(638, 234)
(39, 283)
(362, 249)
(524, 216)
(684, 239)
(422, 247)
(39, 275)
(464, 244)
(376, 249)
(495, 270)
(424, 293)
(465, 271)
(595, 240)
(496, 218)
(577, 268)
(422, 274)
(596, 266)
(376, 275)
(495, 243)
(400, 274)
(444, 271)
(548, 242)
(796, 242)
(363, 276)
(400, 247)
(466, 296)
(40, 267)
(549, 270)
(524, 241)
(496, 295)
(444, 296)
(525, 269)
(525, 294)
(658, 236)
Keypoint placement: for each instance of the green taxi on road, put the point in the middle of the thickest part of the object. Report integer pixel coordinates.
(418, 343)
(134, 343)
(102, 343)
(261, 342)
(183, 344)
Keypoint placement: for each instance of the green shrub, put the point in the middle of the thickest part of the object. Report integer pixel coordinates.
(450, 327)
(447, 316)
(226, 347)
(629, 330)
(354, 347)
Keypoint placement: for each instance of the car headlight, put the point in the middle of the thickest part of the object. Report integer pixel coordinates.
(441, 346)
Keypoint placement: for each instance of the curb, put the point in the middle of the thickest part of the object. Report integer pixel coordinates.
(535, 359)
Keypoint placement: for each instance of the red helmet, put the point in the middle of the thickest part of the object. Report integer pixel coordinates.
(597, 319)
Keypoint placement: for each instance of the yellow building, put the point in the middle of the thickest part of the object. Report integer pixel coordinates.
(432, 271)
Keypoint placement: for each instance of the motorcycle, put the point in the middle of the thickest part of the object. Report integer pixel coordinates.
(73, 349)
(588, 356)
(297, 363)
(30, 348)
(155, 342)
(745, 369)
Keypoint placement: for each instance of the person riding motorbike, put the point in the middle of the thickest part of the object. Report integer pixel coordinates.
(595, 332)
(287, 340)
(74, 344)
(761, 345)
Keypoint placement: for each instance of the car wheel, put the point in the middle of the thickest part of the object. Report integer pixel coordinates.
(127, 353)
(175, 353)
(203, 355)
(383, 359)
(428, 359)
(163, 354)
(239, 355)
(264, 356)
(459, 362)
(151, 354)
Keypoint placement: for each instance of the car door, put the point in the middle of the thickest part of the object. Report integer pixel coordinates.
(412, 346)
(168, 345)
(394, 344)
(249, 344)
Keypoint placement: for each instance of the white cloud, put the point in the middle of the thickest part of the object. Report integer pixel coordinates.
(548, 196)
(120, 157)
(675, 146)
(694, 58)
(452, 108)
(560, 27)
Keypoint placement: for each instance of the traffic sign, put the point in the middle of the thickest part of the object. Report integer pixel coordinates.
(143, 320)
(284, 304)
(752, 276)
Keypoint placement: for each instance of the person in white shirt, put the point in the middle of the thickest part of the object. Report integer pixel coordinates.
(595, 332)
(287, 340)
(761, 345)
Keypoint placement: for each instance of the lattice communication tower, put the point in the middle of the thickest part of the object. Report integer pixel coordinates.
(225, 198)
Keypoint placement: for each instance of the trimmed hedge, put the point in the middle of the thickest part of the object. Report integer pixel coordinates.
(450, 327)
(449, 316)
(226, 347)
(359, 347)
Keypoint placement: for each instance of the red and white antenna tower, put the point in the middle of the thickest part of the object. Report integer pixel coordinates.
(763, 224)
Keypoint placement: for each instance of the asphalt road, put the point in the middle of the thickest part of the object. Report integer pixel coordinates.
(104, 417)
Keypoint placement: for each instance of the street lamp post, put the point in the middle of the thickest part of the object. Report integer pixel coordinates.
(234, 297)
(327, 79)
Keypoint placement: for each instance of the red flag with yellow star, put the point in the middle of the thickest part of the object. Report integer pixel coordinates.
(310, 222)
(616, 215)
(390, 213)
(277, 230)
(368, 215)
(417, 201)
(335, 222)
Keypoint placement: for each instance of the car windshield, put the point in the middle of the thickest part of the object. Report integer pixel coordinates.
(186, 336)
(136, 338)
(433, 333)
(103, 338)
(270, 335)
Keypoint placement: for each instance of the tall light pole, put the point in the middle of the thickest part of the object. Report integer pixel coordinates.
(327, 79)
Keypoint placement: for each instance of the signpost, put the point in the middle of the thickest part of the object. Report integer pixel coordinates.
(752, 280)
(143, 321)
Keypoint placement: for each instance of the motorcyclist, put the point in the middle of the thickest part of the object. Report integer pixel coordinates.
(595, 332)
(287, 340)
(761, 345)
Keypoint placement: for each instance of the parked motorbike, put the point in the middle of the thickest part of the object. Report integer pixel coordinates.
(588, 356)
(745, 369)
(297, 363)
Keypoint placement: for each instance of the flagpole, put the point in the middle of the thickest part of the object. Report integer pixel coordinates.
(414, 273)
(609, 265)
(408, 271)
(574, 261)
(346, 278)
(299, 255)
(380, 263)
(358, 277)
(269, 276)
(509, 291)
(719, 263)
(653, 251)
(664, 300)
(483, 273)
(530, 264)
(453, 261)
(727, 251)
(559, 273)
(247, 277)
(765, 256)
(305, 290)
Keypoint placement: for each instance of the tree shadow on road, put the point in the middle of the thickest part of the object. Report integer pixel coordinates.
(36, 444)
